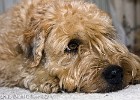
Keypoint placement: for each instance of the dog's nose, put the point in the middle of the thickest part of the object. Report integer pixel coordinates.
(113, 74)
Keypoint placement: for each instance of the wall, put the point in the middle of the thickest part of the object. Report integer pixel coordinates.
(131, 11)
(6, 4)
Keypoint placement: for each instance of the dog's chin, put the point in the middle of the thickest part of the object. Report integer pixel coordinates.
(111, 88)
(107, 89)
(101, 86)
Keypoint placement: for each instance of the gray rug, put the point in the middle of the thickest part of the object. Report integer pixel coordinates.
(130, 93)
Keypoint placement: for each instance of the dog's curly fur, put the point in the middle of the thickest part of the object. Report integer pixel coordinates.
(54, 45)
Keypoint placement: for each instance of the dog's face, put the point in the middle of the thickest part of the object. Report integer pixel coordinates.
(77, 44)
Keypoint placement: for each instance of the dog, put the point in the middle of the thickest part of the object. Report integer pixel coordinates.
(52, 46)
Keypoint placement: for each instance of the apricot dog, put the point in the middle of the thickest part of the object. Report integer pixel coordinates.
(63, 45)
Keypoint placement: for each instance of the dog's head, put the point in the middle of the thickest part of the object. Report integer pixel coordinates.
(76, 42)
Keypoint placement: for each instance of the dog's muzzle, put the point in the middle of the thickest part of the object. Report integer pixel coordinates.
(113, 75)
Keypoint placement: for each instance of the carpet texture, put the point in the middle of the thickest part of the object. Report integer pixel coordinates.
(130, 93)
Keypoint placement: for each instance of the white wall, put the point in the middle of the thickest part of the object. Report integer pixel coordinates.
(6, 4)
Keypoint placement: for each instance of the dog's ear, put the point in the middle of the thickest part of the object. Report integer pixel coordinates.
(37, 47)
(32, 44)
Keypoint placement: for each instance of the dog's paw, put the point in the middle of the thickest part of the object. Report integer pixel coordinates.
(46, 87)
(41, 81)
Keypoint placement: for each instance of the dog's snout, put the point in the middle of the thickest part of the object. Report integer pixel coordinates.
(113, 74)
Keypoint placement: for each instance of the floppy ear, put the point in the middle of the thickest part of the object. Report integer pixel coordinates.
(38, 46)
(32, 44)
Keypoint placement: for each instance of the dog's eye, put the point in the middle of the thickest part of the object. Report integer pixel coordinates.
(72, 46)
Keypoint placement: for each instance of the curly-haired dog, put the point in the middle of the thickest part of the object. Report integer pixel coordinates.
(54, 45)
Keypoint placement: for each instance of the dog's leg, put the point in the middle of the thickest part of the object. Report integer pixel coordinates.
(17, 73)
(10, 70)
